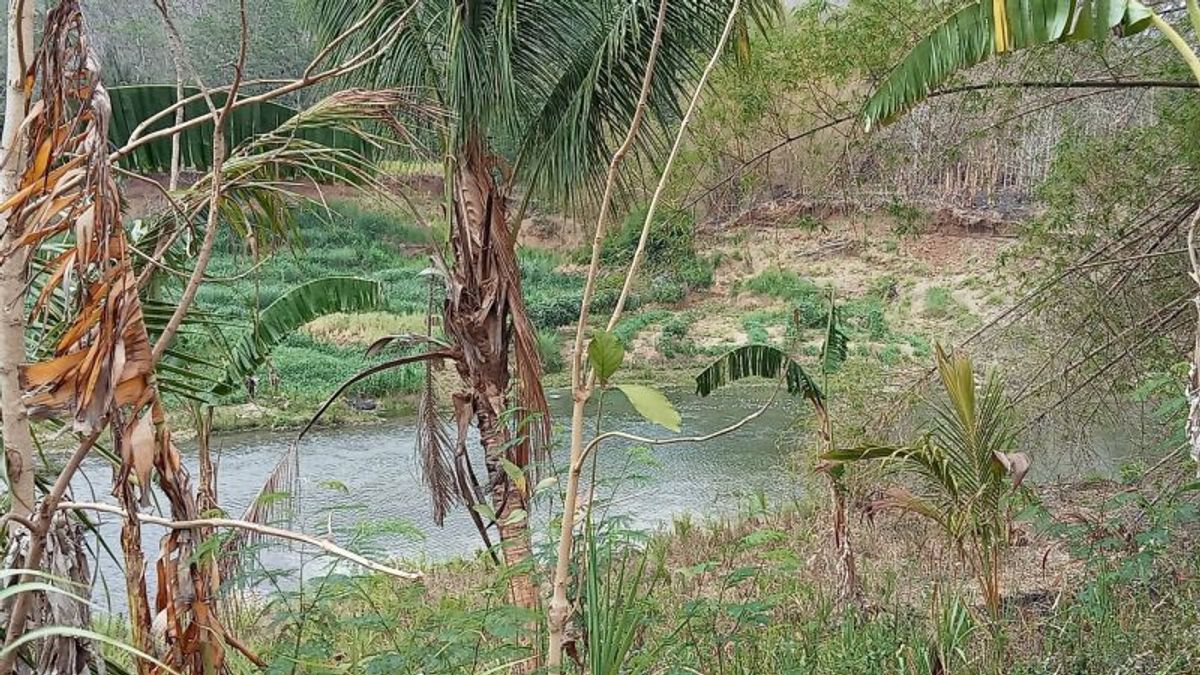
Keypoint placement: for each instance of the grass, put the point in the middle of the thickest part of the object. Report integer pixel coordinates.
(940, 303)
(754, 593)
(377, 243)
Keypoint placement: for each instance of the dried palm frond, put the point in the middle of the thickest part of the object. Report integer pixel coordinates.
(101, 370)
(275, 504)
(435, 455)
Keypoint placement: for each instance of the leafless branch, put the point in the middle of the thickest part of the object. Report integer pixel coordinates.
(266, 530)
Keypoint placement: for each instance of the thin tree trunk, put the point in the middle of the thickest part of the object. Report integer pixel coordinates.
(581, 380)
(848, 586)
(18, 439)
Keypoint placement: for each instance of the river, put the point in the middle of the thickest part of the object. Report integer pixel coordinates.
(361, 483)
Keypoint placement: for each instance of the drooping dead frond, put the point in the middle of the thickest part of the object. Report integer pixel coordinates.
(100, 373)
(275, 504)
(66, 563)
(435, 454)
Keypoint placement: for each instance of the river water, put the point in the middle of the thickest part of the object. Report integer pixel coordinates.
(360, 487)
(361, 484)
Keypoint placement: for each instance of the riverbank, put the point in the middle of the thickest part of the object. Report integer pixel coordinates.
(902, 280)
(756, 591)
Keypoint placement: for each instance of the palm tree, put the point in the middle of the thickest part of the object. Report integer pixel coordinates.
(537, 93)
(961, 464)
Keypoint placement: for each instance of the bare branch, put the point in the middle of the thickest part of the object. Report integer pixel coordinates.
(266, 530)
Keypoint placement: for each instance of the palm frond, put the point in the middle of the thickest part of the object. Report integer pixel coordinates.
(435, 451)
(134, 104)
(984, 29)
(757, 361)
(584, 102)
(562, 76)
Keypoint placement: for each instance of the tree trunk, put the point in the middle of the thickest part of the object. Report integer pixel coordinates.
(18, 439)
(484, 316)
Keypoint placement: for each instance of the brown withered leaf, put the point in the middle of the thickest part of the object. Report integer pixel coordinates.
(139, 451)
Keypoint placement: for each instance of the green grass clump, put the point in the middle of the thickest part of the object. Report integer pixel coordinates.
(941, 304)
(627, 329)
(671, 266)
(757, 323)
(865, 317)
(890, 355)
(810, 301)
(674, 340)
(549, 344)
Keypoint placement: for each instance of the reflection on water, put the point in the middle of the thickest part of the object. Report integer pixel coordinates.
(363, 481)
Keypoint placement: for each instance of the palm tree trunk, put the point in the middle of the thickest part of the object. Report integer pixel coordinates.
(479, 317)
(18, 439)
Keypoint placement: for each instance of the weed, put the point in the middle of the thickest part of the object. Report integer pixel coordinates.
(940, 303)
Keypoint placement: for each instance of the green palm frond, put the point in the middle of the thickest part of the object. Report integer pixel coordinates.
(757, 361)
(550, 84)
(294, 309)
(986, 28)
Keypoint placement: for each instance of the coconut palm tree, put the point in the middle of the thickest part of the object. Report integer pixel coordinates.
(962, 465)
(538, 92)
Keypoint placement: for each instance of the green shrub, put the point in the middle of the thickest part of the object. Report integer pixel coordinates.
(941, 304)
(549, 345)
(890, 355)
(627, 329)
(670, 258)
(909, 219)
(674, 339)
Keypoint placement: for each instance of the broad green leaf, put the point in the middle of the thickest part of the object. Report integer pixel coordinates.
(977, 32)
(653, 405)
(486, 510)
(515, 517)
(756, 361)
(515, 474)
(606, 355)
(836, 346)
(133, 104)
(545, 484)
(293, 309)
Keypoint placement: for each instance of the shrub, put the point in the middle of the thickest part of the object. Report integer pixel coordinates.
(674, 340)
(941, 304)
(549, 345)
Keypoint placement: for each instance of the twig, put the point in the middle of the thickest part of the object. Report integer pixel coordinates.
(666, 171)
(365, 56)
(379, 368)
(266, 530)
(214, 202)
(581, 391)
(681, 439)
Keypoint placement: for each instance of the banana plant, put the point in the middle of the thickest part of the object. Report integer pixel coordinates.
(988, 28)
(964, 467)
(766, 361)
